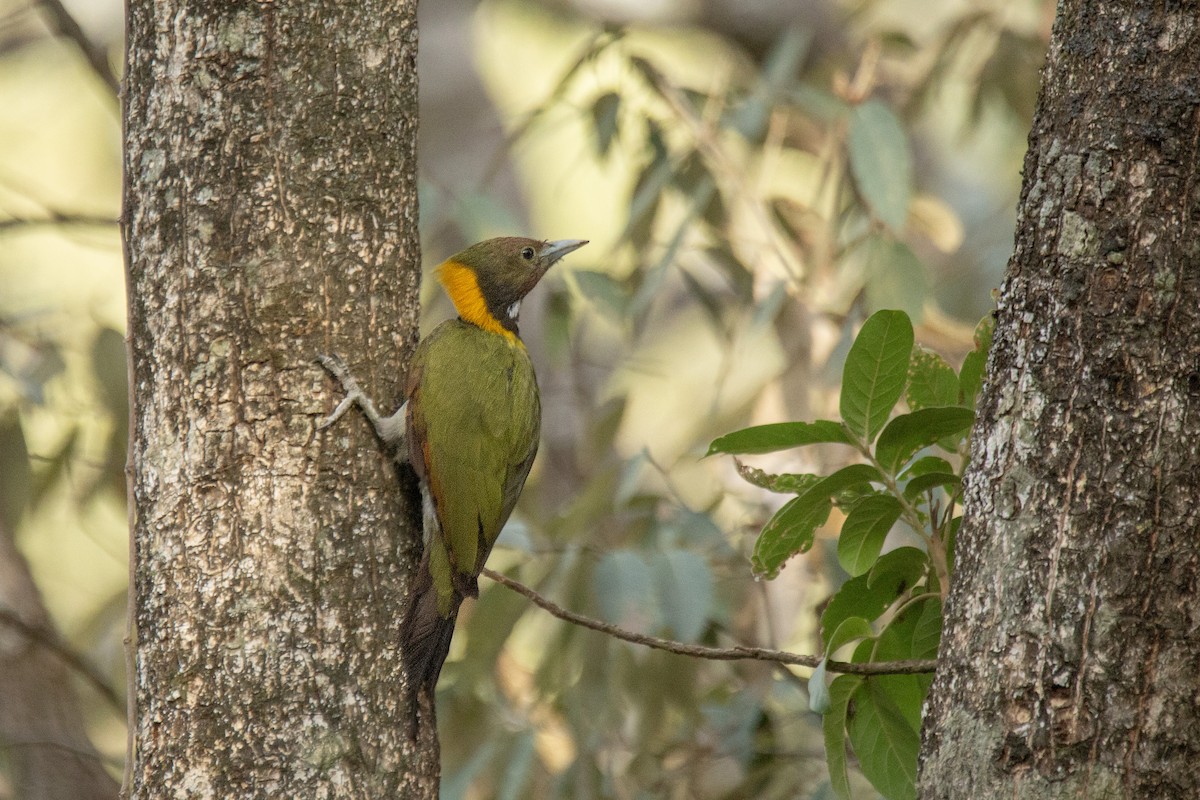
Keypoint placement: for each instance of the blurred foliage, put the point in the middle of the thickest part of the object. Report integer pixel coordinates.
(747, 213)
(750, 201)
(63, 412)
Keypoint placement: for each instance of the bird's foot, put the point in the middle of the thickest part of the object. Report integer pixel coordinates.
(337, 368)
(389, 429)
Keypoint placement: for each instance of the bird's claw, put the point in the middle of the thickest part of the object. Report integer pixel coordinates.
(337, 414)
(389, 429)
(337, 368)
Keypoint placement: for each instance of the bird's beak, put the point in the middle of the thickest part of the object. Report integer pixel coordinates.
(556, 250)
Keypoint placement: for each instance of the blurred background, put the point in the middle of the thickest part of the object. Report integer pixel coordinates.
(755, 177)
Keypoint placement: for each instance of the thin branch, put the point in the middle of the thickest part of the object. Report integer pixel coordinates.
(95, 55)
(49, 640)
(91, 755)
(57, 218)
(739, 653)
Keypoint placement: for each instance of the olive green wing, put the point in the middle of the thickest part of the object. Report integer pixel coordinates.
(474, 421)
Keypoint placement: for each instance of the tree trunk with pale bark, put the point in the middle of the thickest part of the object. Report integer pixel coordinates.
(270, 215)
(1070, 662)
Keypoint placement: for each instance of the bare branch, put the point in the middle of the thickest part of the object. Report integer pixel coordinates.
(50, 641)
(96, 57)
(56, 218)
(739, 653)
(92, 755)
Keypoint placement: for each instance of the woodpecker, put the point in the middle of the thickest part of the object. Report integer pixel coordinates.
(469, 427)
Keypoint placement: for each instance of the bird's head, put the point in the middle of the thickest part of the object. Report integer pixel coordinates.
(488, 280)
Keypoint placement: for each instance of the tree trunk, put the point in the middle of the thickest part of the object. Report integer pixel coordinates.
(1070, 654)
(270, 212)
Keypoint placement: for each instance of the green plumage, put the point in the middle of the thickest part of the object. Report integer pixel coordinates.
(473, 420)
(469, 428)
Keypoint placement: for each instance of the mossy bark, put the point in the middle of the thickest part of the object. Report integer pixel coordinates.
(270, 214)
(1069, 658)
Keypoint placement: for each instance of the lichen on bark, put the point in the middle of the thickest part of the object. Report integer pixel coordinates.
(1068, 658)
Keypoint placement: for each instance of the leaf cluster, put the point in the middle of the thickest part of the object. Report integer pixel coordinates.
(903, 481)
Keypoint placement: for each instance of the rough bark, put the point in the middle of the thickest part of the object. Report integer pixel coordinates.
(43, 739)
(270, 213)
(1069, 658)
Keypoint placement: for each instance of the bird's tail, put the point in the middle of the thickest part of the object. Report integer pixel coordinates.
(426, 633)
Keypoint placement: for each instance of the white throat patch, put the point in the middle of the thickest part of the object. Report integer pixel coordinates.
(514, 309)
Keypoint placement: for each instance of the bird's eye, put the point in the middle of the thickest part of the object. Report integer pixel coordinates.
(527, 254)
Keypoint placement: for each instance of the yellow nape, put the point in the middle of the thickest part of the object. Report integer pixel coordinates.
(460, 283)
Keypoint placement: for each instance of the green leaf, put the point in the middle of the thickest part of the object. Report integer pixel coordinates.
(785, 483)
(908, 433)
(970, 377)
(906, 693)
(880, 162)
(900, 640)
(778, 74)
(886, 745)
(861, 597)
(818, 103)
(739, 278)
(625, 591)
(926, 464)
(818, 692)
(875, 372)
(780, 436)
(930, 480)
(834, 725)
(693, 177)
(864, 651)
(602, 290)
(792, 528)
(650, 73)
(864, 530)
(904, 564)
(849, 477)
(847, 631)
(896, 279)
(685, 592)
(927, 633)
(648, 191)
(931, 381)
(790, 531)
(652, 276)
(604, 121)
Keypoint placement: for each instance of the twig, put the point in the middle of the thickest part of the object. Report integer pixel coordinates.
(96, 57)
(49, 640)
(56, 218)
(11, 744)
(739, 653)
